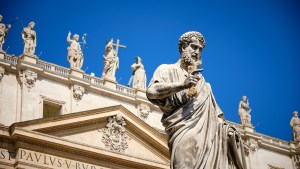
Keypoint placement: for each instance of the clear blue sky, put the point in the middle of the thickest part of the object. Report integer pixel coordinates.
(252, 46)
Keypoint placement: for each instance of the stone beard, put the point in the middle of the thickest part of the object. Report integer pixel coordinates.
(199, 137)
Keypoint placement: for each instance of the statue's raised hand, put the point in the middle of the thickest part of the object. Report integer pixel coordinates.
(191, 80)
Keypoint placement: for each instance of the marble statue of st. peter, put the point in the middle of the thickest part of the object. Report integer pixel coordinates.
(199, 137)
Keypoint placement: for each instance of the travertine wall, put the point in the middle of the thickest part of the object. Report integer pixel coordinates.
(265, 158)
(21, 103)
(8, 98)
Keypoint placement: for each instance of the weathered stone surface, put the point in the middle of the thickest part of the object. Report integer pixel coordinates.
(3, 32)
(244, 112)
(199, 137)
(295, 124)
(75, 55)
(139, 78)
(29, 39)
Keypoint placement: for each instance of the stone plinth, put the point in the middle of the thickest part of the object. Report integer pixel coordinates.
(248, 128)
(2, 53)
(141, 93)
(110, 83)
(29, 58)
(76, 72)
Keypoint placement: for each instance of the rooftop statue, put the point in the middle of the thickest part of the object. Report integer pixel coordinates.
(295, 124)
(199, 136)
(3, 32)
(139, 75)
(111, 62)
(29, 39)
(75, 55)
(244, 112)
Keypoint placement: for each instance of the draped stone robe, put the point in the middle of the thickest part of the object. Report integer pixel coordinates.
(197, 139)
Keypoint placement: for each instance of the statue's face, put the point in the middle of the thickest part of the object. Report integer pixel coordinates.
(76, 37)
(244, 98)
(194, 49)
(31, 25)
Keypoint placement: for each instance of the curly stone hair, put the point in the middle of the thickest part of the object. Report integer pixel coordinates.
(186, 38)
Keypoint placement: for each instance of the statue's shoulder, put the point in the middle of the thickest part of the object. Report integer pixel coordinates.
(166, 67)
(25, 29)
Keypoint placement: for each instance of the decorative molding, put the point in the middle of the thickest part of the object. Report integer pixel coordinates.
(115, 135)
(53, 101)
(78, 92)
(2, 71)
(296, 159)
(143, 111)
(252, 145)
(30, 78)
(45, 98)
(20, 78)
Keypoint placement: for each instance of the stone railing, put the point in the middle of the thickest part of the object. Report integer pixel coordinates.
(126, 90)
(53, 67)
(65, 72)
(93, 80)
(87, 77)
(11, 59)
(275, 141)
(97, 81)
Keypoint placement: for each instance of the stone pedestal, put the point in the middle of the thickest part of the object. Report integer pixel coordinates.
(110, 83)
(248, 128)
(141, 93)
(29, 58)
(78, 73)
(2, 54)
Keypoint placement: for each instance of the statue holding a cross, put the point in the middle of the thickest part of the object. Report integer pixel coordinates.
(111, 60)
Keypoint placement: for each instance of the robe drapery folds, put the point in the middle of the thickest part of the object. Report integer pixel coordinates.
(197, 139)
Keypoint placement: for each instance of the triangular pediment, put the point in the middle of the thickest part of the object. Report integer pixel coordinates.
(87, 132)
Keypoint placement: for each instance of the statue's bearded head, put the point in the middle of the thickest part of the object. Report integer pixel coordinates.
(190, 47)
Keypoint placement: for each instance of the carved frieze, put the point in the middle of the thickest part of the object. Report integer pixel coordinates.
(78, 92)
(2, 70)
(114, 134)
(252, 146)
(27, 77)
(143, 110)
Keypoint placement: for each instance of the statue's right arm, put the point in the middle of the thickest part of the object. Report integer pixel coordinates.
(163, 90)
(68, 38)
